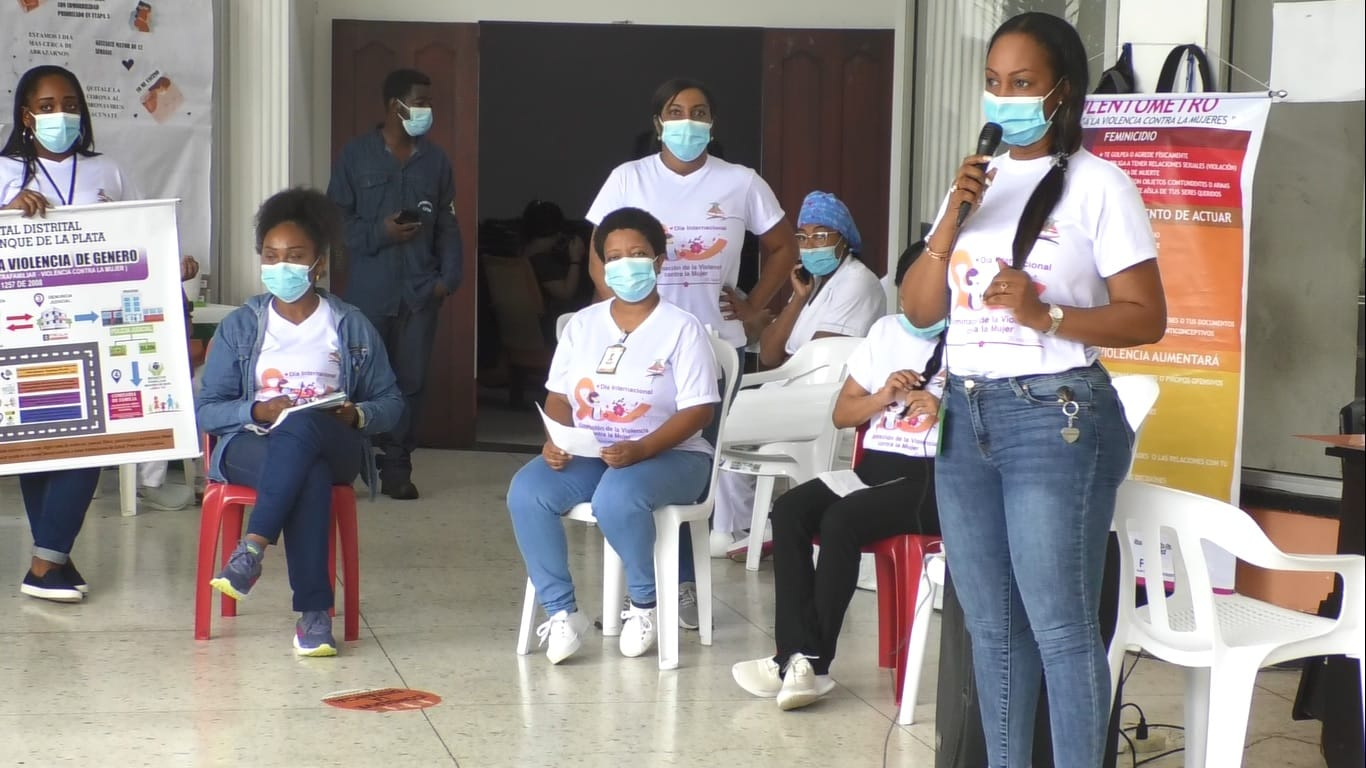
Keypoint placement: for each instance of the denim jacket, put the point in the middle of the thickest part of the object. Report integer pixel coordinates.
(228, 392)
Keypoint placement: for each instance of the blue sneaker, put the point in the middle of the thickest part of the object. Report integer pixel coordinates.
(313, 635)
(242, 571)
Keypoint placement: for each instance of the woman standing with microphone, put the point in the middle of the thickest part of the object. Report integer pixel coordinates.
(1055, 261)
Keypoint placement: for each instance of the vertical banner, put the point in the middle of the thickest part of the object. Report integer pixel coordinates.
(147, 70)
(94, 369)
(1192, 157)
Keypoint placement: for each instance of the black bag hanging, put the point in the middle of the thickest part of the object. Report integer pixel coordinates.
(1172, 65)
(1120, 77)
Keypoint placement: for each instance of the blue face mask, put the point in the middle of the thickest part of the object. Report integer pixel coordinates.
(820, 261)
(57, 131)
(419, 120)
(1021, 117)
(923, 333)
(631, 279)
(286, 282)
(685, 139)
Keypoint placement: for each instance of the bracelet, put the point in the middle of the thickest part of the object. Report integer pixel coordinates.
(936, 255)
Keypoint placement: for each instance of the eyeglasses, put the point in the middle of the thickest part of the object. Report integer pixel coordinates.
(817, 239)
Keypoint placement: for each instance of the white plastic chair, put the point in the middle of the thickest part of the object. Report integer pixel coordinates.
(561, 322)
(784, 429)
(668, 522)
(1138, 394)
(128, 485)
(1222, 639)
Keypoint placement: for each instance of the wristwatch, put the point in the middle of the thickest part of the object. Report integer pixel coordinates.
(1055, 316)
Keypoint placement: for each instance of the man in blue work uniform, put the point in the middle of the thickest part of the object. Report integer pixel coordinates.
(397, 193)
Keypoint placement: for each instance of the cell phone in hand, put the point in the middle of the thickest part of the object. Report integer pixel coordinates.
(804, 275)
(408, 216)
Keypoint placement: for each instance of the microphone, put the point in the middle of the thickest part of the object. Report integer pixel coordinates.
(987, 142)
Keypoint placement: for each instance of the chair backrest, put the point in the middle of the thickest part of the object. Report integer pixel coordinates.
(517, 301)
(728, 360)
(819, 361)
(561, 323)
(1146, 512)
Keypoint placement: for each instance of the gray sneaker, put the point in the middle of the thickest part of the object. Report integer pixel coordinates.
(687, 605)
(171, 497)
(313, 635)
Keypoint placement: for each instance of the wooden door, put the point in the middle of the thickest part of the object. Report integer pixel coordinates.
(363, 53)
(828, 124)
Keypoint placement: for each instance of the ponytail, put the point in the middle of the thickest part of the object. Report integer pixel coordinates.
(1066, 141)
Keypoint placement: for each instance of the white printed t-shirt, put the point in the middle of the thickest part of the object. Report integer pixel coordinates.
(667, 367)
(890, 348)
(301, 361)
(851, 300)
(1099, 228)
(705, 216)
(97, 180)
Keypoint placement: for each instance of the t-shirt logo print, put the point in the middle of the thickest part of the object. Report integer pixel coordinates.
(1049, 233)
(592, 407)
(657, 368)
(714, 211)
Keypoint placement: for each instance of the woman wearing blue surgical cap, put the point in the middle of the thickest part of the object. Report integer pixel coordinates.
(833, 294)
(893, 392)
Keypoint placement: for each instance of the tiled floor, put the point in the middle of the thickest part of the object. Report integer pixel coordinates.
(120, 681)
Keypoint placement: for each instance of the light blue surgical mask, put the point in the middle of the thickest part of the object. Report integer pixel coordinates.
(418, 121)
(1021, 117)
(631, 279)
(685, 139)
(57, 131)
(287, 282)
(923, 333)
(820, 261)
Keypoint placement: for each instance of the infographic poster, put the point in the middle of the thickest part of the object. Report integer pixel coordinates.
(147, 70)
(94, 369)
(1192, 157)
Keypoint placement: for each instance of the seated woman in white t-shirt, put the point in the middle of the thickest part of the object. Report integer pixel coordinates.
(887, 391)
(284, 348)
(640, 374)
(833, 294)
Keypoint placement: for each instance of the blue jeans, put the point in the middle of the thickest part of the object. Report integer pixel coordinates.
(624, 501)
(293, 471)
(1025, 517)
(56, 503)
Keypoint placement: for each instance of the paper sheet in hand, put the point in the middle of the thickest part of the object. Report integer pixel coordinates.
(575, 441)
(332, 400)
(842, 481)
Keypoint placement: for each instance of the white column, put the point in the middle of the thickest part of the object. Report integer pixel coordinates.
(899, 229)
(255, 161)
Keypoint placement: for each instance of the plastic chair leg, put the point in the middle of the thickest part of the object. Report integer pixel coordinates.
(1197, 715)
(128, 489)
(915, 653)
(210, 526)
(888, 634)
(910, 564)
(231, 517)
(1230, 701)
(758, 520)
(702, 567)
(666, 592)
(528, 614)
(613, 589)
(334, 531)
(344, 508)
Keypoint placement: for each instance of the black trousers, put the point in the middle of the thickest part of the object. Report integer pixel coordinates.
(408, 338)
(811, 600)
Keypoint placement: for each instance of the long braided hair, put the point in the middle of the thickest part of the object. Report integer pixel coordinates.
(1067, 54)
(21, 145)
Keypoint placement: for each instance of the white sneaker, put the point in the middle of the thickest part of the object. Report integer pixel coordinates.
(801, 684)
(759, 677)
(637, 631)
(171, 497)
(687, 605)
(720, 542)
(565, 631)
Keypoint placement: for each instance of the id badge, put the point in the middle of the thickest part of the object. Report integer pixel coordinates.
(611, 358)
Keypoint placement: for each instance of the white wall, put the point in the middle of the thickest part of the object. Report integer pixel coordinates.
(1155, 26)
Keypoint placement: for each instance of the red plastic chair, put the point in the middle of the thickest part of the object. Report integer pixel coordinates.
(899, 561)
(221, 521)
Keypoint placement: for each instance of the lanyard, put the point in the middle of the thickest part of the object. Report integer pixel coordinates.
(71, 188)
